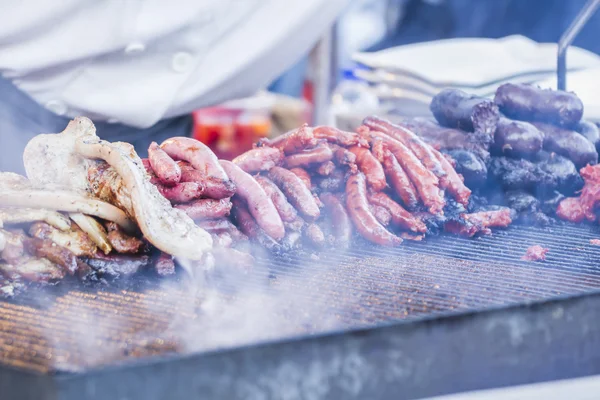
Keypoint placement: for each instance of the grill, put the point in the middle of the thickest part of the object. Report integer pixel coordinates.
(362, 323)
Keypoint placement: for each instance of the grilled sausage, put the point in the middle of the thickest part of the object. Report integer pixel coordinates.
(286, 211)
(341, 224)
(340, 137)
(247, 224)
(399, 215)
(206, 208)
(517, 138)
(399, 180)
(424, 180)
(296, 192)
(382, 215)
(315, 235)
(531, 103)
(365, 222)
(470, 166)
(320, 154)
(182, 192)
(259, 204)
(259, 159)
(370, 167)
(303, 175)
(293, 141)
(163, 166)
(408, 138)
(453, 182)
(454, 108)
(214, 188)
(197, 154)
(569, 144)
(335, 182)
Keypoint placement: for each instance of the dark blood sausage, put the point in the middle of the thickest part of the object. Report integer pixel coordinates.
(165, 168)
(165, 265)
(531, 103)
(293, 141)
(326, 169)
(454, 108)
(590, 131)
(370, 167)
(59, 255)
(452, 181)
(206, 208)
(365, 222)
(408, 138)
(286, 211)
(569, 144)
(305, 158)
(214, 188)
(343, 138)
(470, 166)
(399, 215)
(303, 175)
(197, 154)
(517, 138)
(259, 159)
(296, 192)
(399, 180)
(259, 203)
(341, 224)
(314, 234)
(115, 265)
(424, 180)
(182, 192)
(382, 215)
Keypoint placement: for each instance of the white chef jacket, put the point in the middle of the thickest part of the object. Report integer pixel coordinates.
(139, 61)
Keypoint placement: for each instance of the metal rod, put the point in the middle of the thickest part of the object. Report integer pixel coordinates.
(568, 37)
(321, 66)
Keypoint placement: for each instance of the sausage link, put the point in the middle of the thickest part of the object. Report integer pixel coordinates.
(399, 181)
(320, 154)
(341, 224)
(381, 214)
(408, 138)
(303, 175)
(365, 222)
(424, 180)
(315, 235)
(370, 167)
(165, 168)
(399, 215)
(197, 154)
(286, 211)
(213, 188)
(182, 192)
(453, 182)
(293, 141)
(259, 204)
(206, 208)
(334, 135)
(259, 159)
(296, 192)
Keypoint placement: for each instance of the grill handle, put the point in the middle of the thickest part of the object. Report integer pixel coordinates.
(567, 38)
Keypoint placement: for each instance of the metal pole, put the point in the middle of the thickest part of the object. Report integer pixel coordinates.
(320, 58)
(567, 38)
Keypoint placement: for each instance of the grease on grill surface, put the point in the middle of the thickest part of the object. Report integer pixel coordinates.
(296, 296)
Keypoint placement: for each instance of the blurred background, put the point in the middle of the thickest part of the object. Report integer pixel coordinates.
(407, 56)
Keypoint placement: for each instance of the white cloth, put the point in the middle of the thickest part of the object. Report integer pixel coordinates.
(138, 61)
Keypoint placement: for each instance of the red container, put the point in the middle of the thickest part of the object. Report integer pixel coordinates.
(230, 132)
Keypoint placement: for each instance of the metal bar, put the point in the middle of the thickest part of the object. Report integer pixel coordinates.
(320, 58)
(568, 37)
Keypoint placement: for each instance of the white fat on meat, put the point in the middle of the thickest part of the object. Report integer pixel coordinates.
(167, 228)
(51, 160)
(13, 215)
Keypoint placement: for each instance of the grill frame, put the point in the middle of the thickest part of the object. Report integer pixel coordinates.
(534, 332)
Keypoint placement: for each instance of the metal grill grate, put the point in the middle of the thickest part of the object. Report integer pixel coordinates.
(296, 296)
